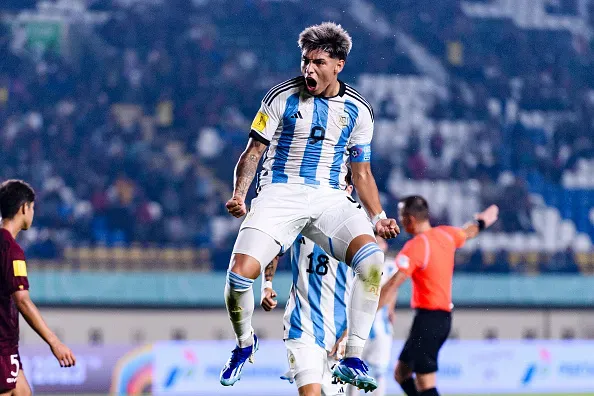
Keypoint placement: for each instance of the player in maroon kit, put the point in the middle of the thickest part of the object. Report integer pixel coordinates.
(17, 209)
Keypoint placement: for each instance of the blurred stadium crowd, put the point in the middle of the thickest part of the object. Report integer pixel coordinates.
(131, 139)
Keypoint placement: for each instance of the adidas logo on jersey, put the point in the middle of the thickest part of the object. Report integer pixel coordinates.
(297, 115)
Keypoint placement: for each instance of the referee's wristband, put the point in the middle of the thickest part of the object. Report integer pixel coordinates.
(378, 217)
(481, 224)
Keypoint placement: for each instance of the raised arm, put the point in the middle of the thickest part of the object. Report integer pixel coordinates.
(245, 171)
(483, 220)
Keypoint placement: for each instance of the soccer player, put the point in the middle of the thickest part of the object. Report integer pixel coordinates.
(17, 201)
(378, 348)
(428, 259)
(309, 127)
(315, 317)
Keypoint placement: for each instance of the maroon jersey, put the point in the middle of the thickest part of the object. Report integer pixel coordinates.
(13, 277)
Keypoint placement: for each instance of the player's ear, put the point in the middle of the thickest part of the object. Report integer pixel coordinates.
(339, 66)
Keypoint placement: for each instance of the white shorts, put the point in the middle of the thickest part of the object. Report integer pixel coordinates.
(378, 348)
(310, 364)
(329, 217)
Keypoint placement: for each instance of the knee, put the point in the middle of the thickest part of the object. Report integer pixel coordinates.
(402, 373)
(368, 262)
(245, 266)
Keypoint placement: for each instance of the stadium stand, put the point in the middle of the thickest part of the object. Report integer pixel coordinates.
(129, 125)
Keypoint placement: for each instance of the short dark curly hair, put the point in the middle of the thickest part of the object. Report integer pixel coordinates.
(327, 36)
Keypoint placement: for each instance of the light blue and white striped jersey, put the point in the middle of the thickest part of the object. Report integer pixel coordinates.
(317, 307)
(312, 138)
(382, 323)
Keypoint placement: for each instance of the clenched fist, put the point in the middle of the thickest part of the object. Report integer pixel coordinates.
(236, 206)
(268, 300)
(387, 228)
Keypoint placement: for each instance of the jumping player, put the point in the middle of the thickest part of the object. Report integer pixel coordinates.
(17, 201)
(310, 127)
(428, 259)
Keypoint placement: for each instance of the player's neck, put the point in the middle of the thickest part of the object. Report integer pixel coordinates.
(331, 90)
(11, 227)
(422, 227)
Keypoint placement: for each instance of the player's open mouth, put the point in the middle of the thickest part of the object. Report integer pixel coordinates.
(310, 83)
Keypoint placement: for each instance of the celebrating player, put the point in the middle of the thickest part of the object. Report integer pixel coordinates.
(378, 348)
(310, 126)
(428, 259)
(17, 201)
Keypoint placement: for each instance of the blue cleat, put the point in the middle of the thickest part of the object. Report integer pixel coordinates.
(354, 371)
(231, 373)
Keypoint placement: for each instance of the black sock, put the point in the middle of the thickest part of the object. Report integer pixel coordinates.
(409, 387)
(429, 392)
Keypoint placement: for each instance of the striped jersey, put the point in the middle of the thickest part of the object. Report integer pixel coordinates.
(310, 138)
(317, 307)
(382, 324)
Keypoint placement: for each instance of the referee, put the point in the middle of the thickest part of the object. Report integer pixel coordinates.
(428, 258)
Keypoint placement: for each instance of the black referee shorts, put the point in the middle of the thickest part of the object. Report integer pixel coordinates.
(429, 331)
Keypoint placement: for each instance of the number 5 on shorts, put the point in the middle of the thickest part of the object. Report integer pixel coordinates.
(15, 362)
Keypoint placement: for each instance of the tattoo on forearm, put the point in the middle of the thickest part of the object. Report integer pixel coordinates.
(270, 270)
(245, 172)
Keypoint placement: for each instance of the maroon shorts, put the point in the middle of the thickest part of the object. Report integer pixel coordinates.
(10, 365)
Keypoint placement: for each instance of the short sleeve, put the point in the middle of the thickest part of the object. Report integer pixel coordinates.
(360, 142)
(15, 271)
(411, 256)
(457, 234)
(266, 121)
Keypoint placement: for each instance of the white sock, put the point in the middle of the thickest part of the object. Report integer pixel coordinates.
(239, 298)
(367, 264)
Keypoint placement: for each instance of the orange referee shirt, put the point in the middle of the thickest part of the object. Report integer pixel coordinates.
(428, 259)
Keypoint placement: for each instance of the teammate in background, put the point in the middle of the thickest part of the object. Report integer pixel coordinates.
(310, 127)
(315, 317)
(378, 348)
(17, 201)
(428, 259)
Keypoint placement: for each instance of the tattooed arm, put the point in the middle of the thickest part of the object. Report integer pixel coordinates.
(245, 170)
(270, 270)
(268, 302)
